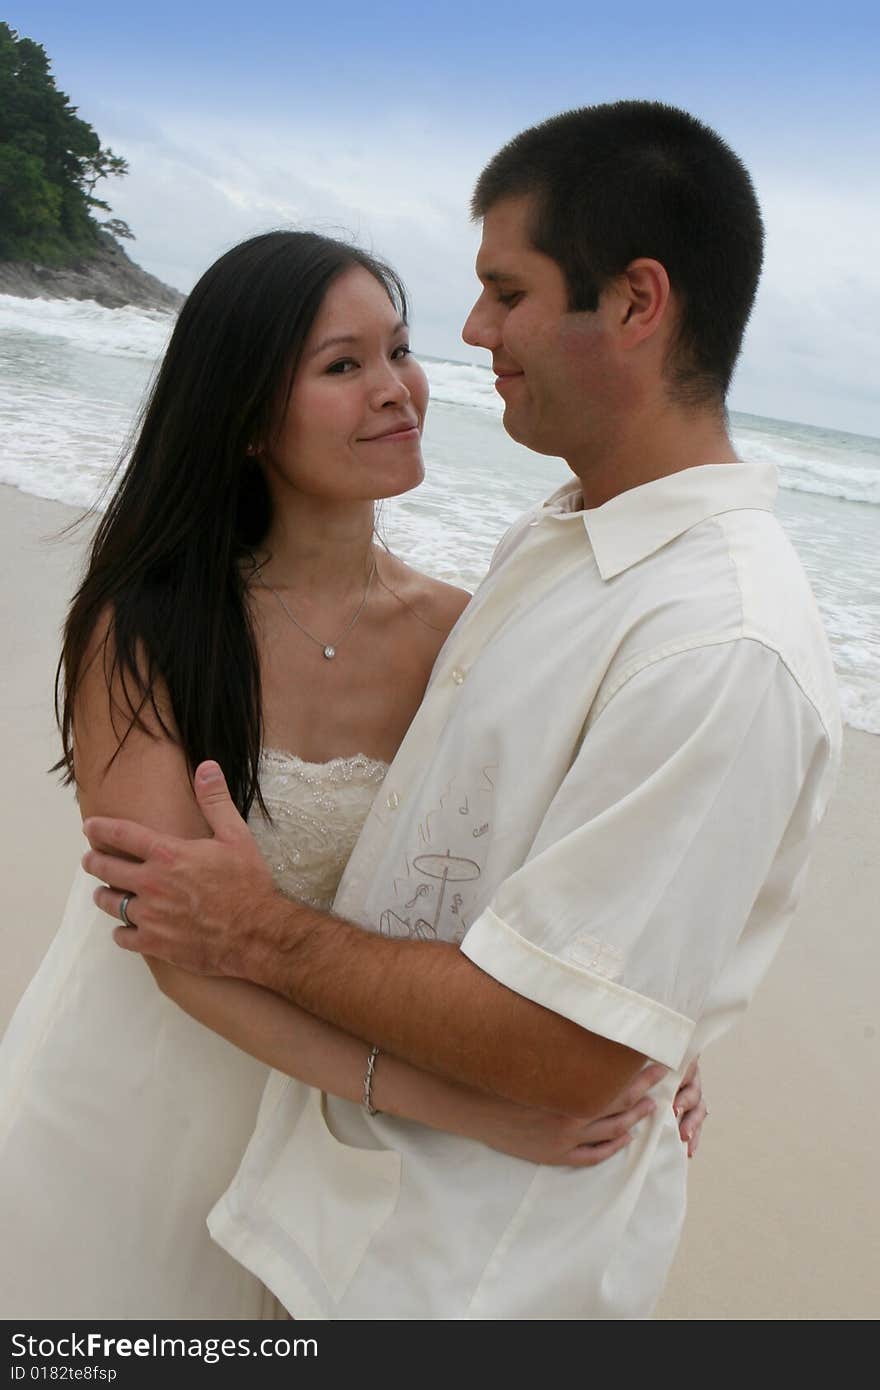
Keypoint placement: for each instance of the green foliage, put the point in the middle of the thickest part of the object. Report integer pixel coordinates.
(121, 230)
(51, 162)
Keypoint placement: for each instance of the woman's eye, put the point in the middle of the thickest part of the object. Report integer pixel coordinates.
(341, 367)
(401, 352)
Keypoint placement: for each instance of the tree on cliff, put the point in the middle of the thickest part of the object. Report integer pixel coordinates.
(50, 163)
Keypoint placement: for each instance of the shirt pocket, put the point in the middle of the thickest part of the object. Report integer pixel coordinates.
(331, 1199)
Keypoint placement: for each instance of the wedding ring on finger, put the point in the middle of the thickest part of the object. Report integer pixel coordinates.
(123, 910)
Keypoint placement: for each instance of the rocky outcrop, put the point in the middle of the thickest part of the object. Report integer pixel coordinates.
(108, 277)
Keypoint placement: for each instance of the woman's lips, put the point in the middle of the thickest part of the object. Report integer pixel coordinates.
(404, 432)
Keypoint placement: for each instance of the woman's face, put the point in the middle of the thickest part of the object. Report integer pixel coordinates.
(353, 422)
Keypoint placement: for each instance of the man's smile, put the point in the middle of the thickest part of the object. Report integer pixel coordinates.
(505, 376)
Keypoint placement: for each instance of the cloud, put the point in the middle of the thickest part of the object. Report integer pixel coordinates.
(812, 350)
(195, 190)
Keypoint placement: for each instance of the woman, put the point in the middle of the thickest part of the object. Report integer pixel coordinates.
(236, 604)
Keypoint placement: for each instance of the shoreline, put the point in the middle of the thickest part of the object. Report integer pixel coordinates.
(782, 1221)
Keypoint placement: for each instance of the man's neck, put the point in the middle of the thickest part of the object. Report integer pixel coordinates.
(652, 444)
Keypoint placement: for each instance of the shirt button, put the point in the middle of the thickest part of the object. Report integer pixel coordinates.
(393, 801)
(458, 676)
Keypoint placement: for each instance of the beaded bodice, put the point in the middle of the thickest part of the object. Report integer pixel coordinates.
(318, 810)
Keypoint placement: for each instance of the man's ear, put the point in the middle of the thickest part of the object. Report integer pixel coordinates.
(644, 299)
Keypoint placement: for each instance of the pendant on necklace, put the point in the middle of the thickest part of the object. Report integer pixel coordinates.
(329, 652)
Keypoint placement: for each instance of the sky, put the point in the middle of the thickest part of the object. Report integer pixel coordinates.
(373, 120)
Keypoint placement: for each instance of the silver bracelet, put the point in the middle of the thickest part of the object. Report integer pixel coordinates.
(368, 1082)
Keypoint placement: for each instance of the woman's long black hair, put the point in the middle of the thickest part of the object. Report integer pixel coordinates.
(192, 503)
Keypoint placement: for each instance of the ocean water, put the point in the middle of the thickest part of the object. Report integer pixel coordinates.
(72, 376)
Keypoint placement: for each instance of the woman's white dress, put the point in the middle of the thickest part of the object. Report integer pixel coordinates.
(122, 1120)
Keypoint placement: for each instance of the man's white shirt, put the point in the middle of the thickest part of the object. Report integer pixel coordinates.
(608, 797)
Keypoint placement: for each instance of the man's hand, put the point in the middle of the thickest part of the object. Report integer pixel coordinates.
(195, 903)
(210, 907)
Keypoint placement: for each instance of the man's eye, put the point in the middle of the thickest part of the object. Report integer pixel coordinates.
(341, 367)
(511, 298)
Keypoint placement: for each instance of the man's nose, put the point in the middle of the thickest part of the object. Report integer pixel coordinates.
(478, 330)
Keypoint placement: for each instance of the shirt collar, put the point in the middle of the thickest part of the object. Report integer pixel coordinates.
(639, 522)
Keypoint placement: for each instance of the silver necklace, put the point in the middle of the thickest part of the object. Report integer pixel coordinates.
(328, 648)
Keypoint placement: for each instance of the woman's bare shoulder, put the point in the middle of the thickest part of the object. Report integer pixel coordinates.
(435, 602)
(126, 753)
(108, 698)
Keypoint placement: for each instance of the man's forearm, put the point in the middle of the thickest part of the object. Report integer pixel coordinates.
(210, 906)
(429, 1004)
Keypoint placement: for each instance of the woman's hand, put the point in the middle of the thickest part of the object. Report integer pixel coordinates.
(561, 1140)
(690, 1108)
(543, 1137)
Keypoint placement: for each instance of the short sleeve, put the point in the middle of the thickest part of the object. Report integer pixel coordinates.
(701, 781)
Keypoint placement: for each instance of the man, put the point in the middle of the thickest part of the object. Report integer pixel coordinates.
(604, 808)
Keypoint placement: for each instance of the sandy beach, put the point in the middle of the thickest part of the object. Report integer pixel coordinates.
(784, 1220)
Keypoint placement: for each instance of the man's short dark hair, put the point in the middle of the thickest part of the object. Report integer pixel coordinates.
(637, 178)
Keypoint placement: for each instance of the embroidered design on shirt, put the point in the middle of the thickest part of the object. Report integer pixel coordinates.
(448, 868)
(408, 875)
(425, 825)
(596, 956)
(392, 925)
(420, 892)
(443, 868)
(430, 898)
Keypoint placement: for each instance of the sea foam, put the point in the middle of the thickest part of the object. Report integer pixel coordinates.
(128, 332)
